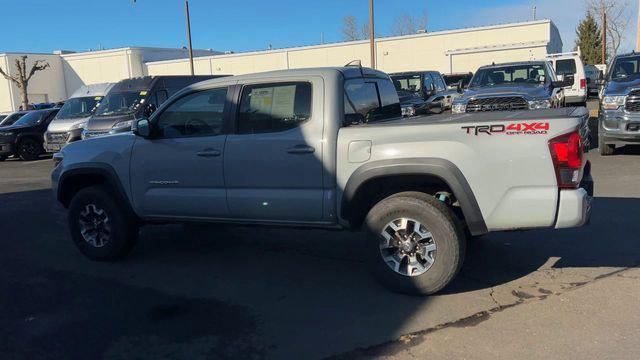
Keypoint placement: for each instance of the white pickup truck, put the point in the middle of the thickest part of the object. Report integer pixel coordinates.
(327, 148)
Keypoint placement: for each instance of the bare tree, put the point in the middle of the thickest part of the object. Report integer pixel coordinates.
(365, 31)
(618, 18)
(21, 79)
(406, 24)
(350, 28)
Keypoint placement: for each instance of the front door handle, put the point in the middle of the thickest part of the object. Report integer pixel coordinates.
(209, 153)
(301, 149)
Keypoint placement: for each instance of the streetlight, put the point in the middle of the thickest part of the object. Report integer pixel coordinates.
(372, 40)
(186, 14)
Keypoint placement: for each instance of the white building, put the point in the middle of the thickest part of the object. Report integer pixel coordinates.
(449, 51)
(461, 50)
(68, 71)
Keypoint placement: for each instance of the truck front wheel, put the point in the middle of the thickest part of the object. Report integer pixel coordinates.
(102, 229)
(415, 244)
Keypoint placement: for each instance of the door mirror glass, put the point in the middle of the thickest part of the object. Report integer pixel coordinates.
(142, 128)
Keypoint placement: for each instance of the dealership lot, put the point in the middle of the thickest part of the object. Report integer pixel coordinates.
(191, 291)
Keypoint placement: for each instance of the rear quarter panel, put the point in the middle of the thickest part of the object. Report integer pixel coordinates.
(511, 175)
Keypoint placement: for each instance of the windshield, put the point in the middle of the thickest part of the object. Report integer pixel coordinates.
(121, 103)
(78, 107)
(510, 74)
(31, 118)
(11, 119)
(626, 67)
(406, 83)
(452, 80)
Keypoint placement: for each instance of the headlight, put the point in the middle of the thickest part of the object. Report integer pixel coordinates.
(458, 108)
(57, 159)
(6, 134)
(539, 104)
(122, 124)
(80, 125)
(612, 102)
(408, 111)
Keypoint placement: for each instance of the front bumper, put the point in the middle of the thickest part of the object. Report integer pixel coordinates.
(574, 207)
(55, 141)
(619, 126)
(7, 148)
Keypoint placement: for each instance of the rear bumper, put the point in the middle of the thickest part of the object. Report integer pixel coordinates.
(574, 207)
(572, 99)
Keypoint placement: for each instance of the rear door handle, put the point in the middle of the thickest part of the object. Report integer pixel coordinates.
(209, 153)
(301, 149)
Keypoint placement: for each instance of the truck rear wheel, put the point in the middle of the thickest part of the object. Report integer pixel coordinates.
(101, 228)
(415, 244)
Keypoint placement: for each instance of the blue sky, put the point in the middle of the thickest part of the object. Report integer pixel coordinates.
(248, 24)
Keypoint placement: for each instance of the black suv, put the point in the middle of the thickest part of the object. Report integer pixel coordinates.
(25, 137)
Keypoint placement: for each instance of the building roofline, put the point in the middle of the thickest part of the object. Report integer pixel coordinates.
(129, 48)
(362, 42)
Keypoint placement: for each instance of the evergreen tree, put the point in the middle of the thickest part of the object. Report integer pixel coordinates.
(589, 39)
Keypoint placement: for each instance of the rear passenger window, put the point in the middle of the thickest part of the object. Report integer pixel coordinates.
(196, 114)
(370, 100)
(440, 85)
(566, 67)
(267, 108)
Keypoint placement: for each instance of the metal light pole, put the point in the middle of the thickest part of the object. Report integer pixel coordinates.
(186, 12)
(372, 40)
(638, 30)
(604, 37)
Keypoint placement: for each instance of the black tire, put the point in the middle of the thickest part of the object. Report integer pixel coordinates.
(3, 158)
(29, 149)
(605, 149)
(123, 225)
(448, 235)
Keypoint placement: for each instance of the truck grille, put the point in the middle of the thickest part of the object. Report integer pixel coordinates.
(57, 138)
(633, 101)
(497, 104)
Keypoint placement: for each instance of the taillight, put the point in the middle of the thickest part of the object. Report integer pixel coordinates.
(567, 153)
(583, 83)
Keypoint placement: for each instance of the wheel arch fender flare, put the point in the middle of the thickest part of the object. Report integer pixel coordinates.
(443, 169)
(104, 171)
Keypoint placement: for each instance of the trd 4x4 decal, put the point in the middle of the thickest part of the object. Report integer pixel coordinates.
(524, 128)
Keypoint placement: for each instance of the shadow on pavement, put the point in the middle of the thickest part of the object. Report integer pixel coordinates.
(252, 292)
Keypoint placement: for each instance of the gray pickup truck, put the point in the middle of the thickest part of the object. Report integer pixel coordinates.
(530, 85)
(328, 148)
(619, 119)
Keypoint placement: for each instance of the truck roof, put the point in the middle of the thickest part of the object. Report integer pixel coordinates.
(515, 63)
(92, 90)
(347, 72)
(413, 72)
(146, 82)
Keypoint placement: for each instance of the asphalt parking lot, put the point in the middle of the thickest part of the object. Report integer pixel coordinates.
(239, 292)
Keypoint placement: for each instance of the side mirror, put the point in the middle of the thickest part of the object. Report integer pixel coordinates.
(141, 128)
(563, 81)
(149, 109)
